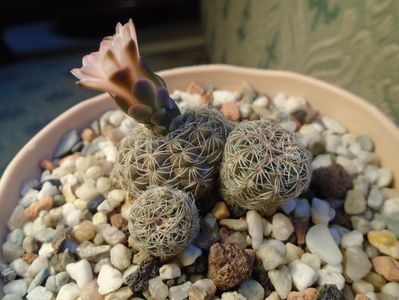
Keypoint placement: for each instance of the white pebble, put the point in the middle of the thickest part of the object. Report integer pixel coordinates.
(109, 280)
(282, 227)
(18, 287)
(312, 260)
(391, 288)
(281, 281)
(120, 256)
(331, 277)
(303, 276)
(261, 101)
(270, 256)
(357, 263)
(40, 293)
(232, 296)
(385, 177)
(390, 207)
(352, 239)
(320, 242)
(222, 96)
(99, 218)
(47, 190)
(320, 161)
(70, 291)
(362, 287)
(158, 290)
(255, 228)
(188, 256)
(169, 271)
(20, 267)
(80, 272)
(37, 265)
(180, 292)
(333, 125)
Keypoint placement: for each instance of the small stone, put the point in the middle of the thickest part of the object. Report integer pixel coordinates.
(231, 111)
(375, 198)
(273, 296)
(65, 144)
(12, 297)
(312, 260)
(189, 255)
(8, 273)
(255, 228)
(61, 260)
(391, 288)
(157, 289)
(220, 211)
(40, 293)
(88, 134)
(322, 213)
(138, 281)
(86, 191)
(34, 209)
(330, 292)
(376, 280)
(94, 203)
(355, 203)
(357, 264)
(91, 252)
(333, 125)
(271, 257)
(121, 294)
(118, 221)
(37, 265)
(202, 289)
(17, 218)
(222, 96)
(385, 177)
(352, 239)
(81, 272)
(84, 231)
(169, 271)
(289, 206)
(385, 241)
(308, 294)
(320, 242)
(229, 265)
(90, 292)
(282, 227)
(109, 280)
(281, 280)
(120, 257)
(234, 224)
(39, 279)
(195, 88)
(386, 266)
(261, 101)
(245, 111)
(99, 218)
(237, 238)
(303, 276)
(55, 282)
(251, 289)
(362, 287)
(180, 292)
(18, 287)
(11, 251)
(68, 291)
(112, 235)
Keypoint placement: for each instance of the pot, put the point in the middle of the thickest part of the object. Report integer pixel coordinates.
(355, 113)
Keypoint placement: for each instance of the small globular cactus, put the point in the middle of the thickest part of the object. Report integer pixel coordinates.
(263, 166)
(163, 221)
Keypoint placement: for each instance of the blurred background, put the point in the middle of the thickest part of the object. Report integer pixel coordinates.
(352, 44)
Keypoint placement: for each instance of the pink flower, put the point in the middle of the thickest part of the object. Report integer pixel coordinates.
(115, 66)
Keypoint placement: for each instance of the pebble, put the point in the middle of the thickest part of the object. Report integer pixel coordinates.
(16, 236)
(390, 207)
(385, 241)
(157, 289)
(333, 125)
(307, 294)
(109, 280)
(39, 279)
(237, 238)
(18, 287)
(70, 291)
(302, 209)
(80, 272)
(282, 227)
(261, 101)
(220, 211)
(180, 292)
(37, 265)
(47, 190)
(355, 203)
(322, 213)
(386, 266)
(90, 292)
(17, 218)
(55, 282)
(289, 206)
(357, 264)
(281, 281)
(95, 202)
(251, 289)
(303, 276)
(229, 265)
(86, 191)
(121, 294)
(112, 235)
(385, 177)
(11, 251)
(92, 252)
(321, 161)
(376, 280)
(273, 296)
(234, 224)
(270, 256)
(169, 271)
(12, 297)
(352, 239)
(375, 198)
(391, 288)
(254, 223)
(312, 260)
(202, 289)
(40, 293)
(120, 257)
(188, 256)
(9, 273)
(65, 144)
(330, 277)
(84, 231)
(362, 287)
(320, 242)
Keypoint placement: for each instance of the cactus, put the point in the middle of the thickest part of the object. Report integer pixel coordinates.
(179, 150)
(163, 221)
(263, 166)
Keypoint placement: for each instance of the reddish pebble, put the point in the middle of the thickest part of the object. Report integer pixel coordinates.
(387, 267)
(47, 165)
(88, 134)
(35, 208)
(195, 88)
(29, 257)
(118, 221)
(231, 111)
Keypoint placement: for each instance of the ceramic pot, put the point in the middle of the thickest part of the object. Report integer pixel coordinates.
(356, 114)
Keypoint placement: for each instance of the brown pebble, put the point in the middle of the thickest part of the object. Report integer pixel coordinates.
(88, 134)
(231, 111)
(46, 164)
(115, 135)
(84, 231)
(118, 221)
(229, 265)
(224, 233)
(35, 208)
(220, 211)
(308, 294)
(386, 266)
(300, 228)
(361, 297)
(29, 257)
(195, 88)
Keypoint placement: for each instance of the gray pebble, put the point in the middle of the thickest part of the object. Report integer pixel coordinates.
(12, 297)
(237, 238)
(16, 236)
(11, 251)
(17, 287)
(20, 267)
(40, 293)
(17, 219)
(355, 203)
(39, 279)
(45, 235)
(55, 282)
(7, 273)
(375, 198)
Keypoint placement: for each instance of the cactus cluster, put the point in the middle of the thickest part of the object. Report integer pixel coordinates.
(263, 166)
(163, 221)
